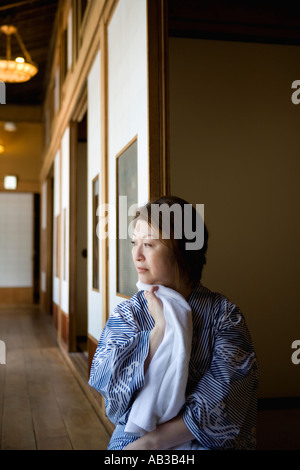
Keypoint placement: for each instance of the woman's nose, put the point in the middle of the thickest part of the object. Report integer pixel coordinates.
(139, 253)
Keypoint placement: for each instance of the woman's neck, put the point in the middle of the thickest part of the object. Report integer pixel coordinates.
(185, 290)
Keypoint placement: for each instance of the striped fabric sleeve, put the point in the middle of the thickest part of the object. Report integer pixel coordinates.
(222, 402)
(117, 370)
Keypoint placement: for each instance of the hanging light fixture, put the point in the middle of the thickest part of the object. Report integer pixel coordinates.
(18, 69)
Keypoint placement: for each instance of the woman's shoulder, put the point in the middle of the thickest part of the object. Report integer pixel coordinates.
(212, 303)
(136, 302)
(134, 310)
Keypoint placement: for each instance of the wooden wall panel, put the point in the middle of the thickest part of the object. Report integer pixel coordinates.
(55, 311)
(16, 295)
(64, 327)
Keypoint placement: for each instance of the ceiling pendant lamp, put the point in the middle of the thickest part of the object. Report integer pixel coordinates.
(18, 69)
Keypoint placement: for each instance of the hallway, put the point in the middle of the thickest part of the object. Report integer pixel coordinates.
(42, 404)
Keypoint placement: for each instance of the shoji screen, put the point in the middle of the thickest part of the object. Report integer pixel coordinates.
(65, 208)
(127, 117)
(16, 240)
(94, 193)
(56, 229)
(43, 234)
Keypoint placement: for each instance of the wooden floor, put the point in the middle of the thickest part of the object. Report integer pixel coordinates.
(278, 429)
(42, 403)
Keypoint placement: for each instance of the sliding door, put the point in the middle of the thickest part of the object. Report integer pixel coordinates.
(127, 138)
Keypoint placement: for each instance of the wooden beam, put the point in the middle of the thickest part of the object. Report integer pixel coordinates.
(16, 113)
(23, 187)
(158, 97)
(104, 162)
(73, 237)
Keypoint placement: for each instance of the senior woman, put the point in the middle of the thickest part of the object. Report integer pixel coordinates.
(219, 405)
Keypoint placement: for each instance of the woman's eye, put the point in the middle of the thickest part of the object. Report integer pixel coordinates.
(146, 245)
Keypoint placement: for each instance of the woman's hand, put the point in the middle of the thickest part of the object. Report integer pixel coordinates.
(155, 307)
(165, 436)
(140, 444)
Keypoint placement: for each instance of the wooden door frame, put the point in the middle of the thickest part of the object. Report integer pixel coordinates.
(158, 101)
(47, 258)
(79, 112)
(72, 237)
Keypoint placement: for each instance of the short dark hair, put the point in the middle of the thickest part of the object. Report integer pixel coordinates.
(190, 263)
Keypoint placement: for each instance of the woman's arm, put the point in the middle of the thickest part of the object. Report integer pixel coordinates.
(117, 370)
(165, 436)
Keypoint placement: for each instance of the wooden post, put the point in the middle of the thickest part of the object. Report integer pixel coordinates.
(157, 11)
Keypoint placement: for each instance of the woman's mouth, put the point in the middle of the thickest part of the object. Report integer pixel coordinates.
(141, 270)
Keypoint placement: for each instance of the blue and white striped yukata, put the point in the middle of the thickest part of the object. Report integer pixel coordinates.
(221, 393)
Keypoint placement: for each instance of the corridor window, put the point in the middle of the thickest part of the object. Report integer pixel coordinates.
(64, 244)
(56, 245)
(95, 237)
(126, 194)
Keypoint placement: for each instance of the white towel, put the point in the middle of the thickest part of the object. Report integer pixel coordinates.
(163, 393)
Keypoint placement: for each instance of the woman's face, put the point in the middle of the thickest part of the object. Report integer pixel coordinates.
(151, 257)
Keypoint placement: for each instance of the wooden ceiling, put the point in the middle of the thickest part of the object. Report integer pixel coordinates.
(262, 21)
(35, 21)
(273, 21)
